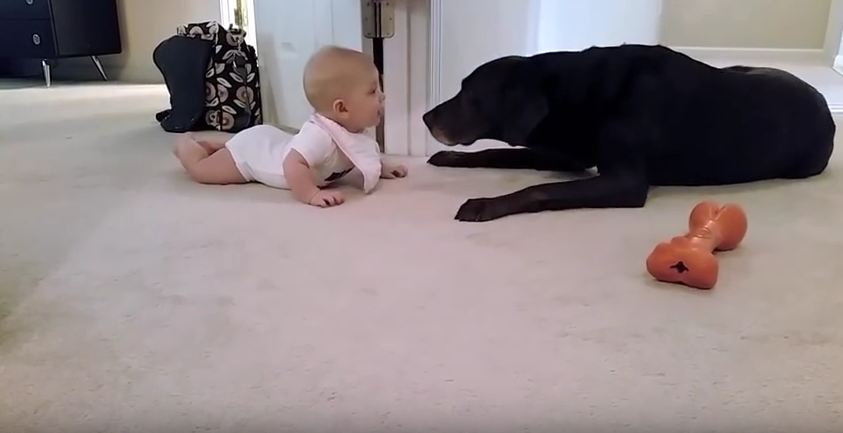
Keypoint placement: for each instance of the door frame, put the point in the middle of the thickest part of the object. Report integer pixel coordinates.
(410, 84)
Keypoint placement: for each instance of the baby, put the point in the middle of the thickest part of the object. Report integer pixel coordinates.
(343, 88)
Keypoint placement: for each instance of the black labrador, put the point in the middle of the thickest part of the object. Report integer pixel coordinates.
(640, 115)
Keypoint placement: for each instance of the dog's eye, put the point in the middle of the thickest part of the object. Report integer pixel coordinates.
(475, 104)
(471, 100)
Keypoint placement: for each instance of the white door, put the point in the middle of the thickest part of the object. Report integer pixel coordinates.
(288, 32)
(470, 32)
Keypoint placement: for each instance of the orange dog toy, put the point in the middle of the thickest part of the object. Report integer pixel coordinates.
(689, 259)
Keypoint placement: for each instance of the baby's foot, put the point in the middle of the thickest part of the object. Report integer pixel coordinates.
(183, 144)
(177, 148)
(182, 149)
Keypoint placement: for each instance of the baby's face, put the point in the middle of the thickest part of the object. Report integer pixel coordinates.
(365, 101)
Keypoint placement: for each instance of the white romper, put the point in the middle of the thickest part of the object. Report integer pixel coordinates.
(328, 148)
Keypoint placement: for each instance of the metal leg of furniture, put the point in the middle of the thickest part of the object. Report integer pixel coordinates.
(45, 65)
(99, 67)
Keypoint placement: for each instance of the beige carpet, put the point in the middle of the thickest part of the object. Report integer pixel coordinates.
(132, 300)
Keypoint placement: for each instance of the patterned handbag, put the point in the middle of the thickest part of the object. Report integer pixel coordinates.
(232, 80)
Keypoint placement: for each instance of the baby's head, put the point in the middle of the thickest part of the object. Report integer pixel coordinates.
(343, 85)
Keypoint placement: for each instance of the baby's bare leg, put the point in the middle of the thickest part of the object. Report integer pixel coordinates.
(216, 168)
(211, 141)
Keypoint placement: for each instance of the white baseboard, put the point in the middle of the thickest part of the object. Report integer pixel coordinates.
(838, 64)
(756, 55)
(836, 108)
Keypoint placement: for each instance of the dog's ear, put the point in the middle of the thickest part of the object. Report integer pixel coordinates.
(526, 106)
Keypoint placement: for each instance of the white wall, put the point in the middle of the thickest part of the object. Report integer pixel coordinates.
(143, 25)
(746, 23)
(474, 31)
(576, 25)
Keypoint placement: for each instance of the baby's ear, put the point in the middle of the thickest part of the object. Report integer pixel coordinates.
(339, 107)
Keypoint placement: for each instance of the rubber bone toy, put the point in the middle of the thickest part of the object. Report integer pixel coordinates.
(689, 259)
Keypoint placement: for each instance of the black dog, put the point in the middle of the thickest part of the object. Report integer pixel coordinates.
(641, 115)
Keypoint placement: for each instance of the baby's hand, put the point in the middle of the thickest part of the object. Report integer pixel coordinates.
(392, 171)
(327, 198)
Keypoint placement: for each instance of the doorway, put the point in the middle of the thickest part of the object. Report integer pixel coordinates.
(239, 13)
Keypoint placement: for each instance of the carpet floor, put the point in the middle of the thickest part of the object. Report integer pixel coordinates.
(134, 300)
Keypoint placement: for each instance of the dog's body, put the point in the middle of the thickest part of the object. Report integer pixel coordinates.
(642, 115)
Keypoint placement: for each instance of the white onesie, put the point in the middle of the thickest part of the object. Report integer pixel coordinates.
(259, 153)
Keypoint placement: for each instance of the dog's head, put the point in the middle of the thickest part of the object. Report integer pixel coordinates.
(500, 100)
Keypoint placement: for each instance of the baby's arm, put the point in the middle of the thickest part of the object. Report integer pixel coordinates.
(298, 176)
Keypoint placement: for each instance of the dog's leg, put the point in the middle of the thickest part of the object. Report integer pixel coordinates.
(521, 158)
(604, 191)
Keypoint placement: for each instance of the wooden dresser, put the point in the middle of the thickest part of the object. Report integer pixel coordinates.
(52, 29)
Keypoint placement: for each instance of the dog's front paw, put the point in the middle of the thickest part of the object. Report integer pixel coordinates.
(481, 210)
(446, 158)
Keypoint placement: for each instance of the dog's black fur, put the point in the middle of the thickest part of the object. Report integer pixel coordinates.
(641, 115)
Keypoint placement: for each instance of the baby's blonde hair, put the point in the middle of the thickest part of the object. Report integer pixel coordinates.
(330, 72)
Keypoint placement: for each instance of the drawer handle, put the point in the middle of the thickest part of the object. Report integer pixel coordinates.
(29, 2)
(36, 39)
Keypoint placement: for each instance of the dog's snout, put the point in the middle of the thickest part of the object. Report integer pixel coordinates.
(436, 131)
(427, 118)
(440, 124)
